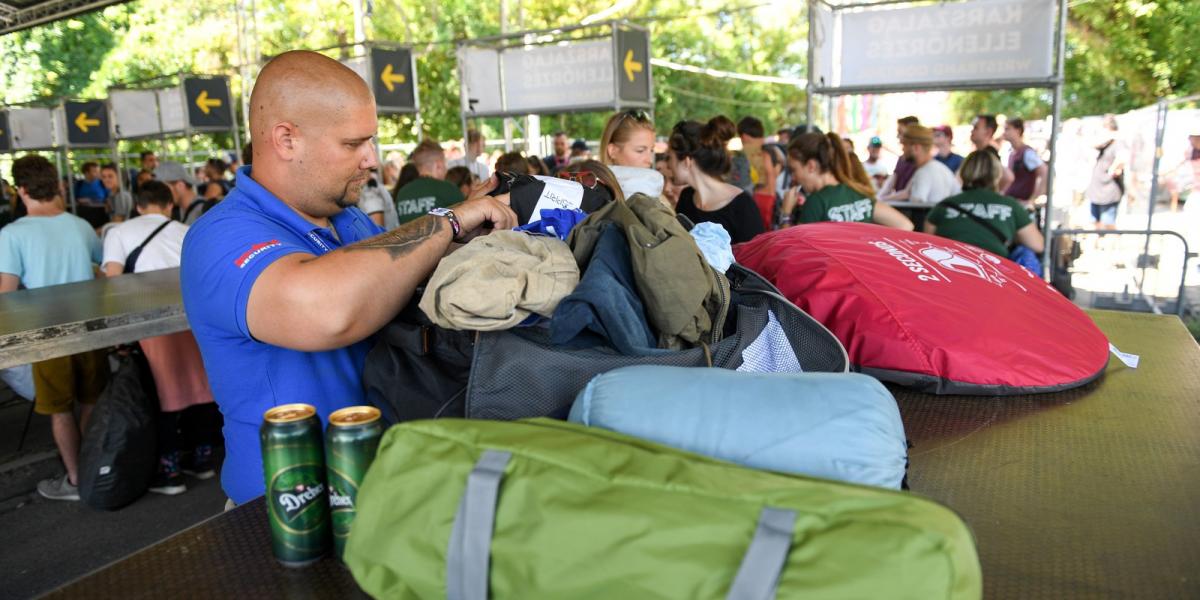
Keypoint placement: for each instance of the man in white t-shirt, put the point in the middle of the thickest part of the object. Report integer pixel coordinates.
(154, 204)
(474, 159)
(874, 164)
(932, 181)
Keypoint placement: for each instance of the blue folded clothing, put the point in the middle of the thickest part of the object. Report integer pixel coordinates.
(605, 308)
(557, 222)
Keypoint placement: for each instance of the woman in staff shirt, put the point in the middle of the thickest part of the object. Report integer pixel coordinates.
(820, 165)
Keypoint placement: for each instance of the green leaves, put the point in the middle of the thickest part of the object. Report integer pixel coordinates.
(1121, 55)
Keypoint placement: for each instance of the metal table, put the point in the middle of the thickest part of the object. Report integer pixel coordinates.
(66, 319)
(915, 211)
(227, 556)
(1090, 493)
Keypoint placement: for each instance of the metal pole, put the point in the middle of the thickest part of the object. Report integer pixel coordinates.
(1160, 124)
(420, 123)
(70, 173)
(829, 111)
(237, 138)
(464, 101)
(808, 96)
(508, 123)
(1056, 118)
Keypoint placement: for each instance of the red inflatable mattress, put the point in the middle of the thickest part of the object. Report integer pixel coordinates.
(929, 312)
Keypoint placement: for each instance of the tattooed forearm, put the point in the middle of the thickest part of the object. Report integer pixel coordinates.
(401, 241)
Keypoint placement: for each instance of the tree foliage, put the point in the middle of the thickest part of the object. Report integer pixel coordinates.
(1121, 54)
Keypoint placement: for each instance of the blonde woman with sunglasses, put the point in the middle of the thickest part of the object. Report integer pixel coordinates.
(628, 140)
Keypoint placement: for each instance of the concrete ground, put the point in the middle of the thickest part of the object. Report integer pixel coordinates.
(47, 543)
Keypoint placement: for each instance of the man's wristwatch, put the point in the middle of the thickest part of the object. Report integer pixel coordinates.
(450, 216)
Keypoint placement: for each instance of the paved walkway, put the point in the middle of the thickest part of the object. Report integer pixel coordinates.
(48, 543)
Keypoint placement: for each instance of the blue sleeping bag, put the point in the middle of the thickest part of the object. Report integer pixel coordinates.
(841, 426)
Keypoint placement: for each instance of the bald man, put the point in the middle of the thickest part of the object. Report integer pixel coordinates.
(284, 281)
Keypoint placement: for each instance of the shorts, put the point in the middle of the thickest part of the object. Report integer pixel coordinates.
(1105, 214)
(59, 382)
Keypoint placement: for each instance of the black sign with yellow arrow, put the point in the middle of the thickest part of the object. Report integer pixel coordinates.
(208, 103)
(392, 80)
(633, 65)
(5, 136)
(87, 123)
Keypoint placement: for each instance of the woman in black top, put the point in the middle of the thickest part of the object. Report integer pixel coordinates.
(698, 159)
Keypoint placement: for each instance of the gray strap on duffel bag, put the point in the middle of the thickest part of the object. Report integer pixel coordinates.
(467, 570)
(758, 576)
(471, 536)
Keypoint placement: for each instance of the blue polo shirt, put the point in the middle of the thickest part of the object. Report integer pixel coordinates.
(223, 254)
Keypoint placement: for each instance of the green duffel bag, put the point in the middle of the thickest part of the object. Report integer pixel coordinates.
(541, 509)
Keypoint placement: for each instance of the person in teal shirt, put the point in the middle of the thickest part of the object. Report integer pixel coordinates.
(50, 247)
(1004, 217)
(820, 164)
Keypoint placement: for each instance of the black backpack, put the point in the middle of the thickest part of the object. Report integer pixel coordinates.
(417, 370)
(118, 454)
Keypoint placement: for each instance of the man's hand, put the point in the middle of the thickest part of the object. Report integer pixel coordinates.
(480, 210)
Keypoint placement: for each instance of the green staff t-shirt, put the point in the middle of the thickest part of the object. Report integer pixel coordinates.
(837, 203)
(1004, 213)
(422, 194)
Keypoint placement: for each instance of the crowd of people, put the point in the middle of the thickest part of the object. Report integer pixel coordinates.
(272, 214)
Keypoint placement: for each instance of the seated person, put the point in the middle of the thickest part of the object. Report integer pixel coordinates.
(980, 216)
(820, 164)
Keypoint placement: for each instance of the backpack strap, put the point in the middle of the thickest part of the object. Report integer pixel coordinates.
(974, 217)
(758, 576)
(471, 536)
(131, 260)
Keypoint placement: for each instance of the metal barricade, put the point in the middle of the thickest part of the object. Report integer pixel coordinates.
(1063, 258)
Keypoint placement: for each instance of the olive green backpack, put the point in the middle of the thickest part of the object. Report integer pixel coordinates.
(468, 510)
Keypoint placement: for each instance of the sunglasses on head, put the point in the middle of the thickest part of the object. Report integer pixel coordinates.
(637, 115)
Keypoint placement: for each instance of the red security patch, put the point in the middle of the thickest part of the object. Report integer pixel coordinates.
(255, 250)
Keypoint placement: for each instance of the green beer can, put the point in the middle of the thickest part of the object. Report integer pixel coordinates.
(294, 471)
(350, 444)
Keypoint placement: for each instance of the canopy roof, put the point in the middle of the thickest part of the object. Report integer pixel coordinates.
(16, 15)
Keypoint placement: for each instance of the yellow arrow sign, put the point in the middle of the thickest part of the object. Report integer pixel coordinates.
(631, 66)
(83, 122)
(391, 78)
(205, 103)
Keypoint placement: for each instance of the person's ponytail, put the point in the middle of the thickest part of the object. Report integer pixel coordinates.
(843, 168)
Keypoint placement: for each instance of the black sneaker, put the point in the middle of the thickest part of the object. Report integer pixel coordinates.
(201, 464)
(167, 479)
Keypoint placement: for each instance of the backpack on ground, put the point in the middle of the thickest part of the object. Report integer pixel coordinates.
(543, 509)
(118, 454)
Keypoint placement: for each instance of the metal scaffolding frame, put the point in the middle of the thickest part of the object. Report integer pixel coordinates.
(15, 16)
(1054, 83)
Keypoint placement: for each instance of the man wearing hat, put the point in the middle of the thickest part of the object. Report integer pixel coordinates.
(579, 151)
(188, 206)
(943, 136)
(875, 167)
(932, 181)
